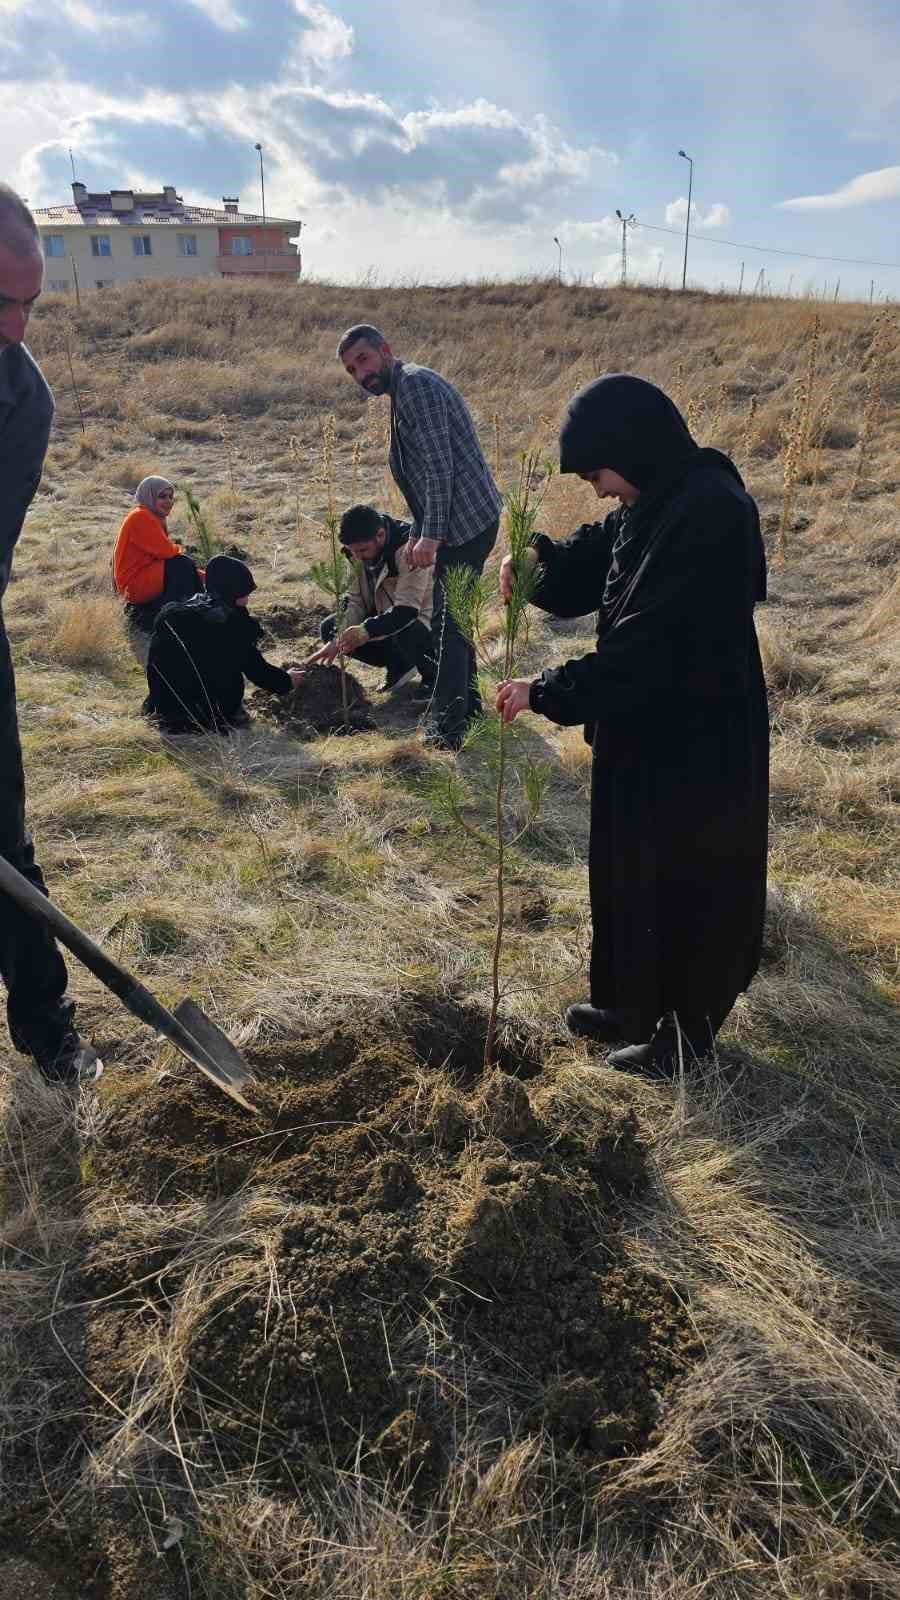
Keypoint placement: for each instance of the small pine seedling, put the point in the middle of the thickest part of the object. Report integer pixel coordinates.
(469, 597)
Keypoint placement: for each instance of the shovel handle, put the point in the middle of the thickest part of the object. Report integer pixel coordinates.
(131, 993)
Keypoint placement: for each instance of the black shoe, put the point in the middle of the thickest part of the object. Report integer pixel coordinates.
(661, 1057)
(397, 677)
(593, 1022)
(72, 1063)
(423, 694)
(435, 740)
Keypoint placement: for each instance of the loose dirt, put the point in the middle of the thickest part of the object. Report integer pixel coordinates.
(283, 621)
(316, 706)
(414, 1189)
(397, 1246)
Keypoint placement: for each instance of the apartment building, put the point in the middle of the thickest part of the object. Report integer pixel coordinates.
(116, 237)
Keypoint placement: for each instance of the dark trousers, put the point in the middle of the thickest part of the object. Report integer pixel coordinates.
(180, 581)
(30, 963)
(409, 647)
(456, 697)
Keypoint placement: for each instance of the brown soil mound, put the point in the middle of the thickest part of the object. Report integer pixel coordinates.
(433, 1233)
(316, 706)
(284, 621)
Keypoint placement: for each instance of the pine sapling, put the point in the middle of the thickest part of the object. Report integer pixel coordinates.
(201, 533)
(469, 597)
(332, 573)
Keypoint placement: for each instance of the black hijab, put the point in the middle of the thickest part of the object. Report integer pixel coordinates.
(633, 428)
(228, 579)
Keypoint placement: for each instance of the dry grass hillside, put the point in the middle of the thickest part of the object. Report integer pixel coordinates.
(411, 1330)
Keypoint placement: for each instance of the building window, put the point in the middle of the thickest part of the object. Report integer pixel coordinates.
(140, 244)
(100, 244)
(54, 244)
(241, 245)
(187, 244)
(59, 285)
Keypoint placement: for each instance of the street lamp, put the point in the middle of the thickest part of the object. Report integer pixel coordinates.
(262, 182)
(559, 268)
(626, 223)
(687, 220)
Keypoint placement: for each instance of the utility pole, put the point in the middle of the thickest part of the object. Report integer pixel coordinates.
(626, 223)
(741, 284)
(559, 264)
(871, 291)
(687, 220)
(262, 186)
(760, 281)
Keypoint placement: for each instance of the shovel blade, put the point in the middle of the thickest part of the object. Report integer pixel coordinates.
(213, 1052)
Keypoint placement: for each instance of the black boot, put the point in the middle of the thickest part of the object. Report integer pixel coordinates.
(593, 1022)
(661, 1056)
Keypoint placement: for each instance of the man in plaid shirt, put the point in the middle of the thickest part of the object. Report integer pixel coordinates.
(439, 468)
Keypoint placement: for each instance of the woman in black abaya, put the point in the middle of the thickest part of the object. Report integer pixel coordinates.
(674, 704)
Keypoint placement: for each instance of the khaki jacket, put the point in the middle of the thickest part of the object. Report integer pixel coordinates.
(394, 584)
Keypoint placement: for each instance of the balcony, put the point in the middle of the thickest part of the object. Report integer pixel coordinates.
(279, 263)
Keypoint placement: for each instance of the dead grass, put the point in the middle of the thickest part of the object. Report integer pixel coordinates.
(287, 885)
(87, 633)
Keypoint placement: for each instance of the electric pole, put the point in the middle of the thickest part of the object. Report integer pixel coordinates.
(626, 223)
(687, 220)
(262, 182)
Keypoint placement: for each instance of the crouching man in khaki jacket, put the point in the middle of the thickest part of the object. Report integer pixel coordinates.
(387, 620)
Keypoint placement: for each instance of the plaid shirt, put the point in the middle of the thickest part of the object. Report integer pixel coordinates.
(436, 460)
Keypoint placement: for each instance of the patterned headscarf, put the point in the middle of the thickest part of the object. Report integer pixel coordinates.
(147, 490)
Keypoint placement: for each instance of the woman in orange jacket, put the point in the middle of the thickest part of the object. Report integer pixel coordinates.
(149, 570)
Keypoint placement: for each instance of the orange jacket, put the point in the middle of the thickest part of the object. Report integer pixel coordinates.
(142, 548)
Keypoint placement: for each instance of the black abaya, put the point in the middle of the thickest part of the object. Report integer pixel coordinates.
(675, 701)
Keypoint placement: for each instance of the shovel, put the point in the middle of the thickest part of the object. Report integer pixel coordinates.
(188, 1028)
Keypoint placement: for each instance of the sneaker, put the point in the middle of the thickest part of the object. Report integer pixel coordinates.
(396, 678)
(74, 1062)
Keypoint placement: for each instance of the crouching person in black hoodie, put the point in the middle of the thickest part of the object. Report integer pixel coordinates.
(202, 649)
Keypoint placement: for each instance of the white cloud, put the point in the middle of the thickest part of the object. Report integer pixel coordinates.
(716, 217)
(222, 13)
(326, 39)
(868, 189)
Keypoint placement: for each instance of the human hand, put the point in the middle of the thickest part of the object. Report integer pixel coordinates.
(507, 573)
(421, 552)
(351, 639)
(322, 657)
(512, 697)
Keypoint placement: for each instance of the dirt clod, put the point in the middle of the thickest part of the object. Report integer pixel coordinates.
(316, 706)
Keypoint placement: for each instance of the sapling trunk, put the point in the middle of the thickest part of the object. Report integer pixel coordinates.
(331, 574)
(467, 597)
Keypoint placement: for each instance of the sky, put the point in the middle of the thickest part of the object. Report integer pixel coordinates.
(437, 140)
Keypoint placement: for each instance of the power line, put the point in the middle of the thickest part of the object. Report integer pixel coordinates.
(772, 250)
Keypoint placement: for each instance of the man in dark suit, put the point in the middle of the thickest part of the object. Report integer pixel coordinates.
(38, 1011)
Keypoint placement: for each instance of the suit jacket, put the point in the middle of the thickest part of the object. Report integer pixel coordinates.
(26, 413)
